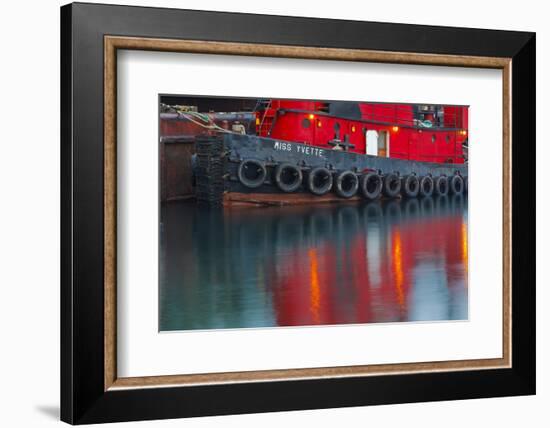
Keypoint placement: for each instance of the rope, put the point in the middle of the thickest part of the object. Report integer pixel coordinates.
(210, 125)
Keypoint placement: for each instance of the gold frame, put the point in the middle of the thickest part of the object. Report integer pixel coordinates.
(113, 43)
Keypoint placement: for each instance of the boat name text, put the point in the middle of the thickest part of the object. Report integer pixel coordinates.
(305, 150)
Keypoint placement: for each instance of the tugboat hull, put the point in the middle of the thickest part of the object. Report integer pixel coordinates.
(243, 169)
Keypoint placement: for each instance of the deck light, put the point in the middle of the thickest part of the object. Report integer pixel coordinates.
(312, 116)
(395, 128)
(353, 128)
(319, 124)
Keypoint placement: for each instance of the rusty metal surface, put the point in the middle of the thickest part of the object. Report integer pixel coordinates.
(176, 171)
(177, 145)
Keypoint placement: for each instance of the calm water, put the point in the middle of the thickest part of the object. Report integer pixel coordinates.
(325, 264)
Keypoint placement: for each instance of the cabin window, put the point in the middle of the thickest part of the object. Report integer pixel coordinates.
(448, 139)
(305, 123)
(433, 138)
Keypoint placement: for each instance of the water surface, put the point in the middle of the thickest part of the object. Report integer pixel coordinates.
(326, 264)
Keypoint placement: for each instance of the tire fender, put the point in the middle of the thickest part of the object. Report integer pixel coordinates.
(288, 177)
(256, 167)
(371, 185)
(426, 187)
(410, 186)
(324, 175)
(392, 185)
(441, 185)
(456, 185)
(346, 184)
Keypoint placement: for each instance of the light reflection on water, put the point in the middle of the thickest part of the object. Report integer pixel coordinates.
(325, 264)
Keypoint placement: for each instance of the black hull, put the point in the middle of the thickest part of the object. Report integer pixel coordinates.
(218, 158)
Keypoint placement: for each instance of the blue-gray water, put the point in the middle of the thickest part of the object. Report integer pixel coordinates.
(326, 264)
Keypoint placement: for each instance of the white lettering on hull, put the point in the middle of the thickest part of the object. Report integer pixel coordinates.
(305, 150)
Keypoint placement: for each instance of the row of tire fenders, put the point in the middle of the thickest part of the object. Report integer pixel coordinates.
(288, 178)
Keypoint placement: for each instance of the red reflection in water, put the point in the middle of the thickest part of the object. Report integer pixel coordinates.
(331, 283)
(315, 292)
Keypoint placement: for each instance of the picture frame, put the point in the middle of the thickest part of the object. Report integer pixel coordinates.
(91, 391)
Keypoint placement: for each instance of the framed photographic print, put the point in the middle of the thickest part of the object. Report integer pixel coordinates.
(264, 213)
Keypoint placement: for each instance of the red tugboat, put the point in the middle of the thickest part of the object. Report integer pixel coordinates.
(307, 151)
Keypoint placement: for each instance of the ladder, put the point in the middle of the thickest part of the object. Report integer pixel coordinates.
(264, 126)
